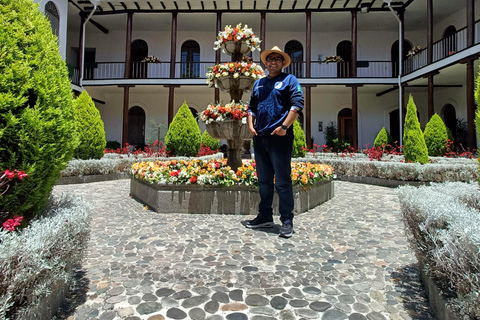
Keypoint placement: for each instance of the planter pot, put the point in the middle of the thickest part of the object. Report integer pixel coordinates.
(220, 199)
(229, 130)
(235, 47)
(230, 83)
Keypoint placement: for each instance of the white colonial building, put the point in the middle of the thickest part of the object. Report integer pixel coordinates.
(103, 43)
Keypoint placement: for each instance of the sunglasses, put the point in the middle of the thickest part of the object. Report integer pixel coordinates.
(274, 59)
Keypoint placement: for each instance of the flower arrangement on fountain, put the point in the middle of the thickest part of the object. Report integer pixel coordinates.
(220, 112)
(235, 70)
(238, 33)
(216, 172)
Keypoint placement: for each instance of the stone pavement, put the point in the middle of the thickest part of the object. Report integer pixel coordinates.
(349, 259)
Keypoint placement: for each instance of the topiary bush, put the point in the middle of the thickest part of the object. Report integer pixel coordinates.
(37, 127)
(436, 136)
(383, 139)
(299, 142)
(209, 141)
(90, 129)
(414, 147)
(183, 136)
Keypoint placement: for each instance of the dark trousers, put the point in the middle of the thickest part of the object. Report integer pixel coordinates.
(273, 156)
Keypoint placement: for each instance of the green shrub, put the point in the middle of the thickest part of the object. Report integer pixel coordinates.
(477, 99)
(436, 136)
(90, 129)
(414, 147)
(37, 127)
(383, 139)
(183, 136)
(209, 141)
(299, 142)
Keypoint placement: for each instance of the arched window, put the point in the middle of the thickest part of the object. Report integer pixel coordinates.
(345, 124)
(190, 59)
(136, 127)
(395, 125)
(138, 52)
(295, 50)
(51, 12)
(344, 50)
(450, 41)
(450, 118)
(407, 46)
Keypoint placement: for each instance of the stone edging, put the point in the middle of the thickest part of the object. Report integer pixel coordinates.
(380, 182)
(92, 178)
(436, 300)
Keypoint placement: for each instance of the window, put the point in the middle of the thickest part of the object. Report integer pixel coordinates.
(295, 50)
(344, 51)
(407, 46)
(52, 15)
(449, 41)
(190, 59)
(345, 125)
(136, 127)
(138, 51)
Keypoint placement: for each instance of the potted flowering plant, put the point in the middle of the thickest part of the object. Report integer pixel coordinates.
(333, 59)
(151, 59)
(220, 112)
(238, 36)
(414, 51)
(244, 73)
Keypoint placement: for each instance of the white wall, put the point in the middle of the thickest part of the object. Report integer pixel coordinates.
(62, 7)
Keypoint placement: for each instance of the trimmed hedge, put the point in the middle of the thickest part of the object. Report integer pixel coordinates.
(37, 127)
(184, 136)
(383, 139)
(90, 129)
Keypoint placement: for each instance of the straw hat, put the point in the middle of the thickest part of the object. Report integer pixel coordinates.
(286, 57)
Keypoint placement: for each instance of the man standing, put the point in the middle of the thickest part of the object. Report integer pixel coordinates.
(274, 106)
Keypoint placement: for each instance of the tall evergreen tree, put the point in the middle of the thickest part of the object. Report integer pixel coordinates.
(299, 141)
(414, 147)
(183, 136)
(436, 136)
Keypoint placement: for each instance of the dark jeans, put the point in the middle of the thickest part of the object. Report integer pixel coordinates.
(273, 156)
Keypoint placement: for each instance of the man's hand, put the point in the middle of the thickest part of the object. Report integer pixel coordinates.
(279, 132)
(252, 131)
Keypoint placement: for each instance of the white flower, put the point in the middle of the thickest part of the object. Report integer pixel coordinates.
(236, 75)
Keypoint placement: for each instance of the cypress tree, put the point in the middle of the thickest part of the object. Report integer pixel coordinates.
(299, 142)
(383, 139)
(209, 141)
(90, 129)
(414, 147)
(436, 136)
(37, 127)
(183, 136)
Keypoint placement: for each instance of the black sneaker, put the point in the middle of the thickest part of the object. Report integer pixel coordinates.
(259, 223)
(286, 230)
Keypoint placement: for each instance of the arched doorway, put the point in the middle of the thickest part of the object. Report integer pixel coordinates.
(395, 125)
(136, 127)
(407, 46)
(345, 125)
(344, 51)
(53, 16)
(295, 50)
(450, 119)
(190, 59)
(138, 52)
(450, 41)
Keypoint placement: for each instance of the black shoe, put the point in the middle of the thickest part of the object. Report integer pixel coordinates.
(286, 230)
(259, 223)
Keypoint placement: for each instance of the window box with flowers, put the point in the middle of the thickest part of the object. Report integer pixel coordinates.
(411, 53)
(237, 40)
(152, 59)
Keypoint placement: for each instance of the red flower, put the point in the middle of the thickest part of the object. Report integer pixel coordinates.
(9, 174)
(193, 179)
(217, 165)
(174, 174)
(10, 224)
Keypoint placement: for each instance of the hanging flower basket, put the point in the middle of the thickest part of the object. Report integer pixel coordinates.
(234, 47)
(231, 83)
(229, 130)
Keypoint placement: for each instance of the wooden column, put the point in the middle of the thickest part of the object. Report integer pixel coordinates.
(429, 31)
(173, 54)
(431, 91)
(128, 45)
(262, 33)
(470, 23)
(472, 134)
(126, 104)
(81, 46)
(218, 53)
(308, 89)
(354, 75)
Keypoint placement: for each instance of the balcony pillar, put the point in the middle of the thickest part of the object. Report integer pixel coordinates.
(126, 104)
(173, 46)
(81, 46)
(431, 91)
(355, 117)
(128, 47)
(353, 65)
(429, 33)
(470, 23)
(472, 139)
(218, 53)
(308, 89)
(262, 33)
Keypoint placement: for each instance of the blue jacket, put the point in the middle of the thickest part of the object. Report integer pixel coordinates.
(272, 99)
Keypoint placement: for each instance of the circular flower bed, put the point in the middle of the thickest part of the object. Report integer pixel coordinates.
(236, 34)
(235, 70)
(216, 172)
(219, 112)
